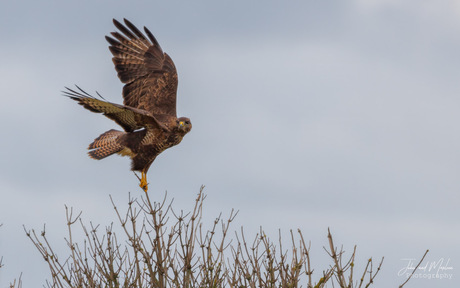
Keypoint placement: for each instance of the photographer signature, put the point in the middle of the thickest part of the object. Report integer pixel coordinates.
(441, 265)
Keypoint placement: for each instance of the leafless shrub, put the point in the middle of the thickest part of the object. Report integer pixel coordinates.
(158, 252)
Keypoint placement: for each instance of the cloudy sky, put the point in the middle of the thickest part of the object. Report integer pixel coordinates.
(307, 114)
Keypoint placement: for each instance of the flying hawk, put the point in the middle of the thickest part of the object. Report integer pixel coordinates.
(148, 114)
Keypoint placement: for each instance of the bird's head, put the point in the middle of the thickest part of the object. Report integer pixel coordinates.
(184, 124)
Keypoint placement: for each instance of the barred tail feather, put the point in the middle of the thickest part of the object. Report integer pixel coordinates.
(105, 145)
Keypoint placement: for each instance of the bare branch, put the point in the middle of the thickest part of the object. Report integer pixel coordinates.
(416, 267)
(159, 247)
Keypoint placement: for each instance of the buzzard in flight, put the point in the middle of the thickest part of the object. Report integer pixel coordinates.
(148, 114)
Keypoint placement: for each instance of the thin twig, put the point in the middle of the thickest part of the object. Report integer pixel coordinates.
(421, 260)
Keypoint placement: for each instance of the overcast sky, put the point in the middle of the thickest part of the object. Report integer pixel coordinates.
(306, 114)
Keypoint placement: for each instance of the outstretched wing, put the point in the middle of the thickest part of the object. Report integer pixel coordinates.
(127, 117)
(149, 74)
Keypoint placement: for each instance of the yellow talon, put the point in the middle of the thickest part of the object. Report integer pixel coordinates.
(144, 184)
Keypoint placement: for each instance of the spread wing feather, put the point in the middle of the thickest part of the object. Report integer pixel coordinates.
(149, 74)
(127, 117)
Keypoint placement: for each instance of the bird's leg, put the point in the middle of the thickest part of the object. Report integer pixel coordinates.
(144, 184)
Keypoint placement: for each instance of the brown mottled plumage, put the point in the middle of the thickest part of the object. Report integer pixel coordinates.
(148, 115)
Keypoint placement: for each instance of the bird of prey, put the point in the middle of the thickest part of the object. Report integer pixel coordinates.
(148, 114)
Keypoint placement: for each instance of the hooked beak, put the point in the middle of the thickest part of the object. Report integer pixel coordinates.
(181, 125)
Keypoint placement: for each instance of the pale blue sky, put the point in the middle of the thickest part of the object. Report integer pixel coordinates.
(312, 114)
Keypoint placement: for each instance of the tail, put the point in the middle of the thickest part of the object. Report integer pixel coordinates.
(105, 145)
